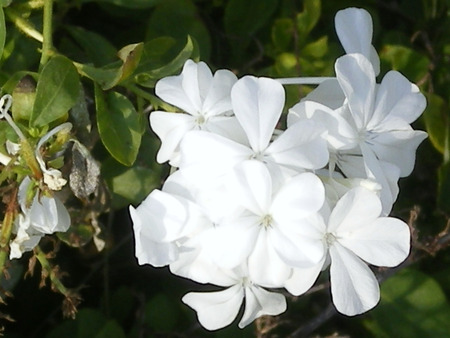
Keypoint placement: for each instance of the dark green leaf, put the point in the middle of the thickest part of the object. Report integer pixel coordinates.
(412, 305)
(282, 33)
(111, 75)
(134, 4)
(98, 50)
(118, 126)
(444, 187)
(159, 60)
(57, 91)
(244, 18)
(178, 19)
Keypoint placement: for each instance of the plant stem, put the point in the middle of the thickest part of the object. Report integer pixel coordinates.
(47, 44)
(45, 264)
(303, 80)
(7, 226)
(23, 24)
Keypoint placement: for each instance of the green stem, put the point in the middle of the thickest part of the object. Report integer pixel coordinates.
(140, 92)
(5, 234)
(45, 264)
(23, 24)
(47, 44)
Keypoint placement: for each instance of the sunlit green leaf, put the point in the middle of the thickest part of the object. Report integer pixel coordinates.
(57, 91)
(316, 49)
(2, 31)
(411, 63)
(283, 33)
(118, 125)
(308, 18)
(436, 118)
(412, 305)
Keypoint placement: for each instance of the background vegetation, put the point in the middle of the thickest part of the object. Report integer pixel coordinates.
(113, 52)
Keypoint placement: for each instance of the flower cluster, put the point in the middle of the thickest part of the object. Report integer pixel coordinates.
(254, 209)
(41, 211)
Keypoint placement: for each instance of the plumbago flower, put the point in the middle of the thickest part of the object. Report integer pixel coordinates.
(42, 213)
(206, 100)
(253, 209)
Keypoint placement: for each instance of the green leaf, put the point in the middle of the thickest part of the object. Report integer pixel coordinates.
(118, 126)
(133, 4)
(2, 31)
(411, 63)
(23, 95)
(162, 57)
(308, 18)
(57, 91)
(282, 33)
(98, 50)
(129, 185)
(112, 74)
(316, 49)
(178, 19)
(436, 121)
(443, 197)
(244, 18)
(412, 305)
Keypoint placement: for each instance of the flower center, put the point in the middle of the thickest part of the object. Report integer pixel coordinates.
(329, 239)
(266, 221)
(200, 120)
(259, 156)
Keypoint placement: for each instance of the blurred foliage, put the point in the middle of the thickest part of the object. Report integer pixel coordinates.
(107, 57)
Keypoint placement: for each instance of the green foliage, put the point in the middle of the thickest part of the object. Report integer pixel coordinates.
(118, 125)
(412, 305)
(56, 92)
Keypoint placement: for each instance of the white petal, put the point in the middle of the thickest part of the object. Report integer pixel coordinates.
(228, 127)
(328, 93)
(357, 207)
(301, 146)
(397, 98)
(170, 128)
(303, 279)
(340, 134)
(257, 104)
(49, 215)
(231, 244)
(354, 29)
(208, 156)
(357, 79)
(218, 100)
(398, 147)
(384, 242)
(251, 184)
(147, 250)
(354, 288)
(185, 90)
(265, 266)
(260, 302)
(298, 198)
(216, 310)
(385, 173)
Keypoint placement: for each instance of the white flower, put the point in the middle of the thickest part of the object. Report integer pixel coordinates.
(270, 231)
(354, 29)
(353, 235)
(257, 104)
(205, 99)
(218, 309)
(44, 215)
(162, 221)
